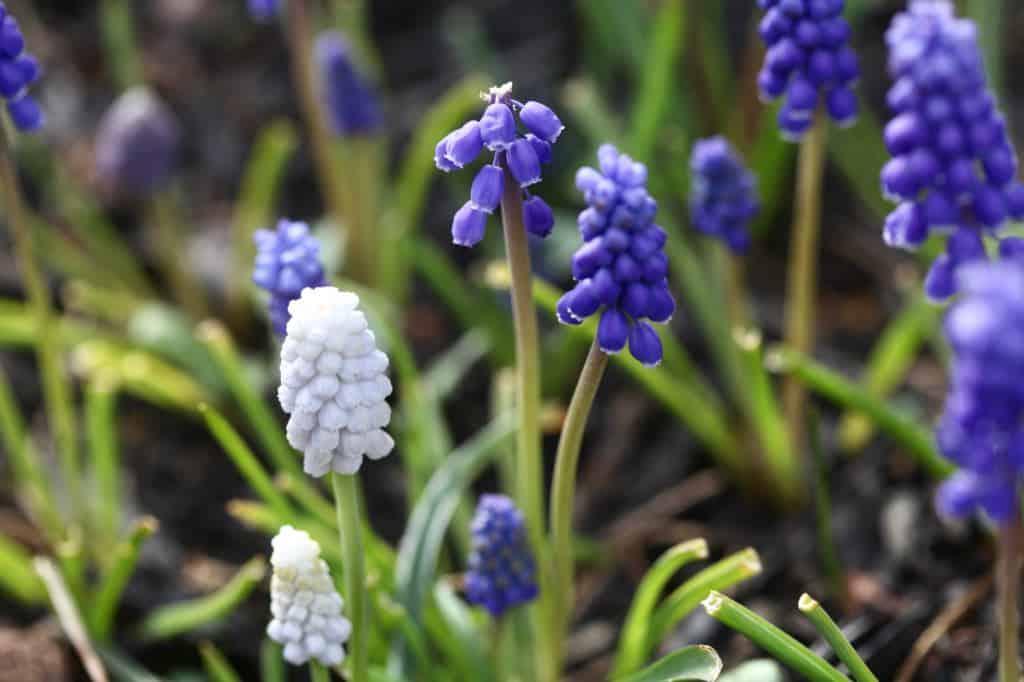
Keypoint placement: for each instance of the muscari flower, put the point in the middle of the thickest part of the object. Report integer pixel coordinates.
(18, 70)
(287, 261)
(621, 268)
(982, 426)
(515, 154)
(137, 143)
(334, 383)
(351, 103)
(953, 167)
(305, 605)
(808, 57)
(264, 10)
(723, 198)
(501, 571)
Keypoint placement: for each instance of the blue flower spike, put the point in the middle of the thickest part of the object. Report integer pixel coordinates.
(287, 261)
(351, 103)
(18, 70)
(620, 270)
(518, 158)
(501, 572)
(982, 426)
(808, 61)
(723, 198)
(953, 168)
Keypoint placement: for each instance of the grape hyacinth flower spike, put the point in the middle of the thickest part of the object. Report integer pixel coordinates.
(264, 10)
(808, 57)
(137, 144)
(334, 383)
(953, 167)
(517, 158)
(620, 270)
(351, 104)
(501, 571)
(723, 198)
(287, 261)
(18, 70)
(306, 608)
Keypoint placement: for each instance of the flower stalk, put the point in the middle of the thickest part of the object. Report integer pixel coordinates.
(801, 285)
(346, 503)
(1008, 576)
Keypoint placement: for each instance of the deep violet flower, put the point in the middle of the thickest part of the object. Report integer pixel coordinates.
(982, 426)
(264, 10)
(723, 198)
(809, 58)
(137, 144)
(351, 102)
(517, 158)
(621, 268)
(18, 70)
(287, 261)
(953, 168)
(501, 572)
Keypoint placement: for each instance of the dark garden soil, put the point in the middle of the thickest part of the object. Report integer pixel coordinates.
(644, 484)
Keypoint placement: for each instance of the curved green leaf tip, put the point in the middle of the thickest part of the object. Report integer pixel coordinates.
(691, 664)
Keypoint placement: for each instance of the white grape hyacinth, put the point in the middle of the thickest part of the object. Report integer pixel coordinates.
(334, 383)
(304, 602)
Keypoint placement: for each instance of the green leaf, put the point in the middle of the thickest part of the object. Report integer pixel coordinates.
(17, 577)
(759, 670)
(418, 551)
(175, 619)
(123, 668)
(216, 665)
(692, 664)
(124, 558)
(632, 648)
(660, 72)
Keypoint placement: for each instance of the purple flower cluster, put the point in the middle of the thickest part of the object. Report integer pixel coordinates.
(982, 427)
(352, 104)
(501, 571)
(18, 70)
(953, 166)
(808, 56)
(520, 156)
(723, 198)
(137, 144)
(621, 268)
(287, 261)
(264, 10)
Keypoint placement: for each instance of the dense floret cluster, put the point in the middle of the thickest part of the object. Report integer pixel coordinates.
(287, 261)
(808, 57)
(334, 383)
(501, 570)
(515, 154)
(723, 199)
(137, 144)
(982, 427)
(305, 606)
(18, 70)
(351, 103)
(621, 268)
(953, 165)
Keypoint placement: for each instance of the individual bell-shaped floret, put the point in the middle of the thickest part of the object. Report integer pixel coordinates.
(334, 383)
(306, 607)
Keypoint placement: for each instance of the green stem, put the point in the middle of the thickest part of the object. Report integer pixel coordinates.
(563, 487)
(300, 36)
(802, 282)
(318, 673)
(529, 476)
(1009, 620)
(346, 504)
(56, 386)
(828, 629)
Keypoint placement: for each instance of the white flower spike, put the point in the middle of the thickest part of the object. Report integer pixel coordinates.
(334, 383)
(304, 602)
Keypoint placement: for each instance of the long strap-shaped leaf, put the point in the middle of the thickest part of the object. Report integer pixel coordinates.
(692, 664)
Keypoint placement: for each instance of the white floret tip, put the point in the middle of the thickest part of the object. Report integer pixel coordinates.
(334, 383)
(306, 608)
